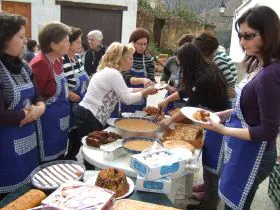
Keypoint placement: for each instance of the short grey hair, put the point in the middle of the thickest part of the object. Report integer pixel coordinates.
(96, 34)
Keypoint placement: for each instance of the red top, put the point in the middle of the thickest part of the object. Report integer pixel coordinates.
(44, 74)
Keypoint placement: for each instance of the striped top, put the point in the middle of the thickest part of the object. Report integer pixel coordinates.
(138, 64)
(227, 67)
(71, 67)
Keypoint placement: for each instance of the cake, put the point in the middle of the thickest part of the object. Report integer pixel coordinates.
(113, 179)
(98, 138)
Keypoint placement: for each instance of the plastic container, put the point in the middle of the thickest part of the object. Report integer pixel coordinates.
(113, 150)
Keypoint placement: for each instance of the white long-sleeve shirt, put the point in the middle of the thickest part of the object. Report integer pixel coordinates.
(106, 88)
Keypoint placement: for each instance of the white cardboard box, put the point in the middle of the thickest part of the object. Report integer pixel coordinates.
(79, 195)
(162, 185)
(176, 164)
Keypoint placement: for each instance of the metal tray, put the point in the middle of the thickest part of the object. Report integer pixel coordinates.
(131, 133)
(138, 138)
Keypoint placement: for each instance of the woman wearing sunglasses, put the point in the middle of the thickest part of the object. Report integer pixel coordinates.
(252, 126)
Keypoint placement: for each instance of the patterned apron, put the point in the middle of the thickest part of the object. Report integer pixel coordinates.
(139, 73)
(241, 160)
(53, 127)
(82, 80)
(213, 153)
(19, 153)
(174, 81)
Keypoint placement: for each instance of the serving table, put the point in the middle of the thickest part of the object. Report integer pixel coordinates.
(95, 157)
(136, 195)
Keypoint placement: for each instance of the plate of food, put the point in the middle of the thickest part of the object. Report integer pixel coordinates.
(160, 86)
(51, 175)
(115, 180)
(136, 145)
(97, 138)
(199, 115)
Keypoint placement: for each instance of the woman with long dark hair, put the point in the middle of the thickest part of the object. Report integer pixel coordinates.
(202, 82)
(253, 126)
(171, 75)
(206, 87)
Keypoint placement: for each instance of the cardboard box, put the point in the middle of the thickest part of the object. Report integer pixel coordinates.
(174, 164)
(162, 185)
(74, 195)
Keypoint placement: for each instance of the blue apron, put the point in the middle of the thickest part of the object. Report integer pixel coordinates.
(139, 73)
(82, 80)
(212, 154)
(53, 127)
(19, 153)
(173, 104)
(241, 160)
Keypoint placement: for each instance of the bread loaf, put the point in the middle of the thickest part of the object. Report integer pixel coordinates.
(178, 143)
(29, 200)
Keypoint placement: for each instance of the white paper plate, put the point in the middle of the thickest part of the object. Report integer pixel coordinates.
(189, 111)
(160, 86)
(130, 183)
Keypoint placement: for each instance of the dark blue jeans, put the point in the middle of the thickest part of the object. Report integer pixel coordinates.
(211, 196)
(266, 166)
(87, 123)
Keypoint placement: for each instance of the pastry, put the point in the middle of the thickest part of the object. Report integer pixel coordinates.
(113, 179)
(29, 200)
(178, 143)
(189, 133)
(98, 138)
(201, 115)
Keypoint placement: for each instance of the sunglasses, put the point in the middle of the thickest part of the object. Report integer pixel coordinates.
(248, 36)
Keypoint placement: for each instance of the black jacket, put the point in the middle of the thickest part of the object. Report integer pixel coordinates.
(92, 60)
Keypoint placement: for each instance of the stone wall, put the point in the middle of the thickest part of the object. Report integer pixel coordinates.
(173, 29)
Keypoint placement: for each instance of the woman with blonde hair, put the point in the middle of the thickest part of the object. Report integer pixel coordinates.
(106, 88)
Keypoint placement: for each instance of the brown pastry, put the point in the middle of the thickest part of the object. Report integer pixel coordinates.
(178, 143)
(98, 138)
(201, 115)
(183, 132)
(29, 200)
(153, 111)
(113, 179)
